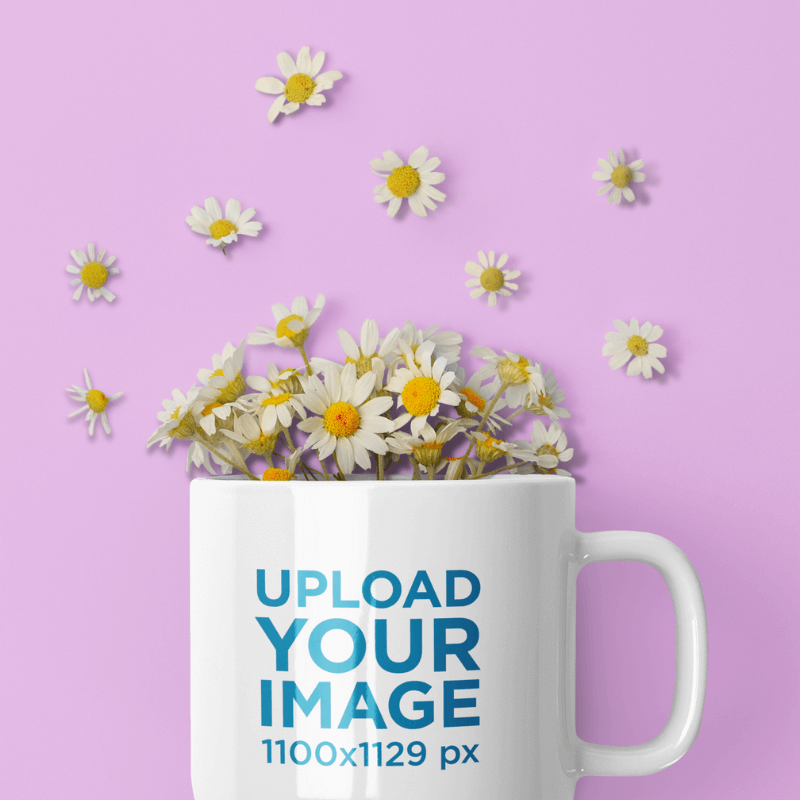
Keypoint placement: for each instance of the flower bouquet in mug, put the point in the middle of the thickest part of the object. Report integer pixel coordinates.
(401, 396)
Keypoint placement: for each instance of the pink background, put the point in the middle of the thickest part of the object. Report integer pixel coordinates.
(123, 116)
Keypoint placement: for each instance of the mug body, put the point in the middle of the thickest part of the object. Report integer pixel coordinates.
(385, 640)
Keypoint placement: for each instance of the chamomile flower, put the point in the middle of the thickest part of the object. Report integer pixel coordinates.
(549, 445)
(348, 423)
(415, 180)
(304, 83)
(422, 387)
(272, 405)
(221, 231)
(427, 447)
(548, 401)
(475, 396)
(92, 273)
(291, 329)
(214, 416)
(370, 346)
(94, 403)
(524, 379)
(446, 343)
(177, 419)
(489, 449)
(251, 437)
(491, 278)
(618, 175)
(223, 383)
(641, 344)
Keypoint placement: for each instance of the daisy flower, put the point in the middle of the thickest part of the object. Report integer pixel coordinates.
(94, 403)
(475, 397)
(221, 231)
(618, 175)
(446, 343)
(525, 379)
(549, 445)
(291, 329)
(370, 346)
(422, 387)
(348, 424)
(177, 419)
(223, 383)
(491, 278)
(92, 273)
(272, 405)
(304, 84)
(548, 401)
(414, 180)
(489, 449)
(640, 343)
(427, 447)
(252, 437)
(213, 416)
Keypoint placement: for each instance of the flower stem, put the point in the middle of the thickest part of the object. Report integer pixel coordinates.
(486, 412)
(205, 441)
(493, 472)
(302, 350)
(379, 460)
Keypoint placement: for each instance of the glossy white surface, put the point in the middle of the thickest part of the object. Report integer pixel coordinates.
(516, 534)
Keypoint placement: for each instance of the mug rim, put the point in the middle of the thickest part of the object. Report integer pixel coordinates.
(369, 479)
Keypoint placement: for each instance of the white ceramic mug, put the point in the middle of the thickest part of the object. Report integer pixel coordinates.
(404, 639)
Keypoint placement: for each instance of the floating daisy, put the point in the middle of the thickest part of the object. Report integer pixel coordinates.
(631, 341)
(421, 388)
(291, 329)
(619, 175)
(304, 83)
(491, 278)
(414, 180)
(94, 403)
(523, 379)
(221, 231)
(92, 273)
(348, 423)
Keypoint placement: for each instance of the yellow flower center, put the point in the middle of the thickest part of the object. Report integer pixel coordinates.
(429, 454)
(275, 474)
(276, 401)
(209, 408)
(341, 419)
(94, 275)
(283, 329)
(488, 449)
(637, 345)
(492, 279)
(221, 227)
(403, 181)
(621, 176)
(515, 373)
(299, 88)
(472, 397)
(547, 450)
(421, 396)
(96, 400)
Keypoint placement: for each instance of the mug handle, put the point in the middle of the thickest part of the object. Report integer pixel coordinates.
(691, 659)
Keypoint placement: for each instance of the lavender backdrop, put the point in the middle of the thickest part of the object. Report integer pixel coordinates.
(123, 116)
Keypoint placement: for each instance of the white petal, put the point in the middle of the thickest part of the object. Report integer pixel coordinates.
(270, 85)
(286, 64)
(304, 60)
(275, 108)
(418, 157)
(316, 63)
